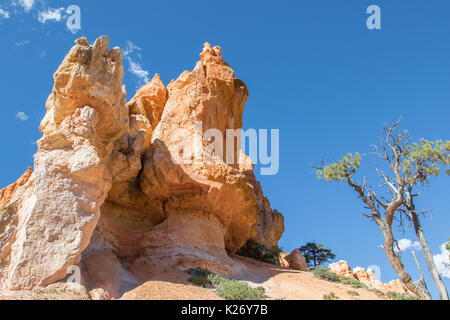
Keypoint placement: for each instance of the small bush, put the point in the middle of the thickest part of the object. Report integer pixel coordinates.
(225, 288)
(400, 296)
(377, 292)
(200, 277)
(352, 293)
(260, 252)
(238, 290)
(330, 296)
(352, 282)
(324, 273)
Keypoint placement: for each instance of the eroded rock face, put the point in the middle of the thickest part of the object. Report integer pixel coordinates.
(202, 184)
(342, 268)
(59, 210)
(89, 76)
(270, 223)
(128, 211)
(295, 260)
(107, 192)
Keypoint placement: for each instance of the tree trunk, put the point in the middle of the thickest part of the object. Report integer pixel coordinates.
(421, 283)
(395, 261)
(428, 256)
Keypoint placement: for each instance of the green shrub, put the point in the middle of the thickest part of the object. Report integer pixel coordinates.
(200, 277)
(330, 296)
(400, 296)
(238, 290)
(352, 293)
(260, 252)
(377, 292)
(225, 288)
(323, 273)
(352, 282)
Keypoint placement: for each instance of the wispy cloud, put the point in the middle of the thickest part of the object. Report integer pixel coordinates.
(22, 116)
(39, 9)
(26, 4)
(132, 55)
(22, 43)
(51, 15)
(136, 69)
(4, 14)
(442, 261)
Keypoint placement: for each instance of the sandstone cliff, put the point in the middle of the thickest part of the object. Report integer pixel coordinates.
(107, 194)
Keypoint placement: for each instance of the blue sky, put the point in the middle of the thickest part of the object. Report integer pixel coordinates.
(313, 69)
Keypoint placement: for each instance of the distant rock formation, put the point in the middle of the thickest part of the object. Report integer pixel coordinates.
(106, 193)
(342, 268)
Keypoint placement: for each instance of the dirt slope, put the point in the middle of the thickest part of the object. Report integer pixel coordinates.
(280, 283)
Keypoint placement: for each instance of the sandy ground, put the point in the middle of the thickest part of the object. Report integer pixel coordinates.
(287, 284)
(58, 291)
(280, 283)
(160, 290)
(164, 283)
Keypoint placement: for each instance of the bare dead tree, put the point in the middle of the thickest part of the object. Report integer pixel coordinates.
(394, 145)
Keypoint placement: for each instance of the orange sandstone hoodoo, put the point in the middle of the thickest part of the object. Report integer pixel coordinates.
(106, 196)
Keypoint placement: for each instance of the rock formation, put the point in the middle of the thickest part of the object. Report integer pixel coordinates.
(109, 193)
(294, 260)
(342, 268)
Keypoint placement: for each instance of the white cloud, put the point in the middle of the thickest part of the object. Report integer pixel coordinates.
(405, 244)
(442, 261)
(22, 116)
(135, 67)
(26, 4)
(4, 14)
(51, 15)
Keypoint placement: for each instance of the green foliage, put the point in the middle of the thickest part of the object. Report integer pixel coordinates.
(201, 277)
(377, 292)
(402, 296)
(225, 288)
(352, 282)
(341, 170)
(447, 246)
(330, 296)
(424, 159)
(260, 252)
(316, 254)
(420, 161)
(323, 273)
(237, 290)
(352, 293)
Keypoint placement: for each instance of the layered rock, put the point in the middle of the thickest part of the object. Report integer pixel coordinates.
(108, 192)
